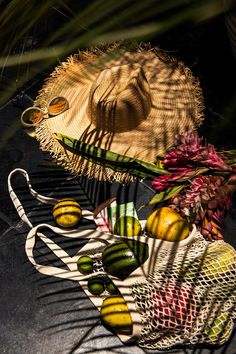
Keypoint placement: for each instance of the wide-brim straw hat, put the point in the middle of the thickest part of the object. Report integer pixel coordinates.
(128, 100)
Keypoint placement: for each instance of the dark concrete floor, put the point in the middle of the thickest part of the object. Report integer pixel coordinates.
(46, 315)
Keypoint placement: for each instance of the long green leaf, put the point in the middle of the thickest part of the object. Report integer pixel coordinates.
(115, 161)
(94, 13)
(24, 15)
(19, 18)
(193, 173)
(167, 194)
(198, 13)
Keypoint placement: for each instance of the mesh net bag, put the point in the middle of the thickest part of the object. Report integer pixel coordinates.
(183, 293)
(189, 297)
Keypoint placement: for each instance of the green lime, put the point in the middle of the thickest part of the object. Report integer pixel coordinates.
(96, 285)
(111, 287)
(218, 329)
(127, 226)
(85, 265)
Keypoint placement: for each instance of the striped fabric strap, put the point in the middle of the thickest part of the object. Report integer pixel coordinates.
(70, 273)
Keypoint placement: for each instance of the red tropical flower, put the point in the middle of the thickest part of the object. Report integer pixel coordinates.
(207, 179)
(189, 151)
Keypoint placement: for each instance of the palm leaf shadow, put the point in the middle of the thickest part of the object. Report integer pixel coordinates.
(70, 308)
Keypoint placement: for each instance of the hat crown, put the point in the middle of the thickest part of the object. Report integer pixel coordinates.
(119, 98)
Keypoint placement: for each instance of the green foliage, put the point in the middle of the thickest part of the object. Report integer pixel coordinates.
(81, 25)
(167, 194)
(100, 21)
(110, 159)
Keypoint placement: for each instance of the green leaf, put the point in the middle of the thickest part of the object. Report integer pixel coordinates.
(110, 159)
(193, 173)
(167, 194)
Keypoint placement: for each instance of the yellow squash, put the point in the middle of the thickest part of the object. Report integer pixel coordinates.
(67, 212)
(166, 224)
(115, 315)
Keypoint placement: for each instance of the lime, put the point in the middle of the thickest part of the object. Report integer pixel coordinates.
(218, 329)
(85, 265)
(96, 285)
(166, 224)
(127, 226)
(115, 314)
(111, 287)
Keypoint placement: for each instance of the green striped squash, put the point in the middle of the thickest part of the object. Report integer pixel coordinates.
(121, 258)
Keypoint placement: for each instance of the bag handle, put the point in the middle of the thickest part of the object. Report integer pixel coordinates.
(72, 272)
(41, 198)
(19, 208)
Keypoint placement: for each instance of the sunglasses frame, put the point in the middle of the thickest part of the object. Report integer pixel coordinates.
(47, 112)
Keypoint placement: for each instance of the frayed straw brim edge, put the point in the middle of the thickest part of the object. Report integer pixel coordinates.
(75, 164)
(78, 165)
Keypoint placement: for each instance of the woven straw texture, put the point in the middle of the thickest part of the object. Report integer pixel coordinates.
(149, 99)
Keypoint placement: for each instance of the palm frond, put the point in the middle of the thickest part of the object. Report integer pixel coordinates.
(93, 23)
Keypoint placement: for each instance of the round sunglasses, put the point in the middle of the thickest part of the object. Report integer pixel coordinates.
(32, 116)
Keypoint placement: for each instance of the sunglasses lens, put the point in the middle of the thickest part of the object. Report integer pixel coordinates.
(31, 116)
(57, 105)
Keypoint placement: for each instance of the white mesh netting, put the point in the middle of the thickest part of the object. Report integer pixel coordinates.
(184, 293)
(190, 296)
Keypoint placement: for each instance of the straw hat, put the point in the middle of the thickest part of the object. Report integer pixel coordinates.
(128, 101)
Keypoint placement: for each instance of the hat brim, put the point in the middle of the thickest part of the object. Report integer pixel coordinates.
(177, 105)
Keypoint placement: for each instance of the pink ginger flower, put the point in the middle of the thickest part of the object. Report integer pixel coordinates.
(211, 225)
(200, 194)
(204, 198)
(211, 230)
(163, 182)
(191, 150)
(208, 201)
